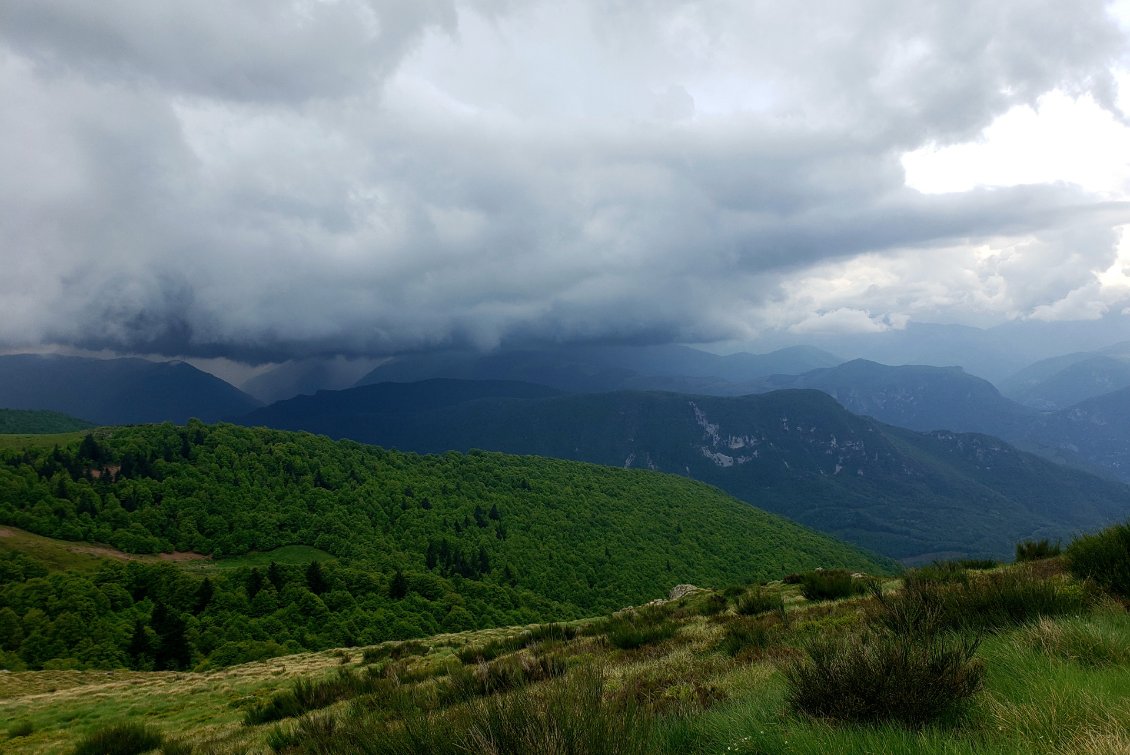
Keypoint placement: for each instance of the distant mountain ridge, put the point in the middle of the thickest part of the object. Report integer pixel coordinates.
(117, 391)
(798, 453)
(595, 369)
(1063, 381)
(917, 397)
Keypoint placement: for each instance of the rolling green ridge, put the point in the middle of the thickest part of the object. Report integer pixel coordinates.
(422, 544)
(28, 421)
(909, 495)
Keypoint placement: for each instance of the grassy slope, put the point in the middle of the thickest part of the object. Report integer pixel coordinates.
(1038, 698)
(64, 555)
(39, 440)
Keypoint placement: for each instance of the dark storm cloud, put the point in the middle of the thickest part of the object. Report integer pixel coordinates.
(269, 180)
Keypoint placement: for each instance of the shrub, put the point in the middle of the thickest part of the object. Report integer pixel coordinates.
(394, 651)
(492, 649)
(504, 674)
(756, 602)
(978, 564)
(876, 677)
(712, 605)
(746, 635)
(990, 601)
(1036, 550)
(570, 716)
(306, 695)
(20, 729)
(1103, 558)
(552, 632)
(940, 571)
(125, 738)
(635, 629)
(828, 584)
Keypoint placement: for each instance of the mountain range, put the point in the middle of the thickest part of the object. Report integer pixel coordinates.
(909, 495)
(117, 391)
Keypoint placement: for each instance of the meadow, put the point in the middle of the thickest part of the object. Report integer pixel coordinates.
(710, 671)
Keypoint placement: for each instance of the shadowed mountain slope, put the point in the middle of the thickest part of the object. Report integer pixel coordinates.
(117, 391)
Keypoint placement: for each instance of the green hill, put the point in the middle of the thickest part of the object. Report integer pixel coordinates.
(30, 421)
(422, 544)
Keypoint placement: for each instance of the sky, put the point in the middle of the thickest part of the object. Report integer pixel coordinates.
(266, 180)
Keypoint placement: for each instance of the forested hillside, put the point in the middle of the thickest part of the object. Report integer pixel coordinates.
(422, 543)
(909, 495)
(31, 421)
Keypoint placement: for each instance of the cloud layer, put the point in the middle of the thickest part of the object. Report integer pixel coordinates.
(269, 180)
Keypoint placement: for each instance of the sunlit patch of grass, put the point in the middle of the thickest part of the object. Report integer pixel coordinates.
(36, 440)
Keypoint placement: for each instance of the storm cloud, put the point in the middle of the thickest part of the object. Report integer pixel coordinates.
(269, 180)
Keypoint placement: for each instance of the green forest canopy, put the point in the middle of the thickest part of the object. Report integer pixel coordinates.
(423, 543)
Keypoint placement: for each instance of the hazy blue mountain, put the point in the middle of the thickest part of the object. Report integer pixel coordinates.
(993, 353)
(1059, 382)
(917, 397)
(586, 369)
(796, 452)
(117, 391)
(305, 376)
(1093, 434)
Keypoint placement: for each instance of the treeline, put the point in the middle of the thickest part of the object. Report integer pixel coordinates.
(160, 616)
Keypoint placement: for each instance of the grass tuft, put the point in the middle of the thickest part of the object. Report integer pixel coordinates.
(127, 738)
(877, 677)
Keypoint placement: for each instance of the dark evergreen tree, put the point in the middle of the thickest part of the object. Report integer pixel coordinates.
(316, 579)
(204, 595)
(254, 582)
(398, 588)
(140, 650)
(276, 576)
(172, 651)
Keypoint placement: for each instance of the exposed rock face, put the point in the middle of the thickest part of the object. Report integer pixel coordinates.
(679, 591)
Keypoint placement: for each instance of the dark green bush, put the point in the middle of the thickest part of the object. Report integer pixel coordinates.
(503, 674)
(20, 729)
(125, 738)
(756, 602)
(978, 564)
(571, 716)
(395, 651)
(829, 584)
(940, 571)
(306, 695)
(1103, 558)
(877, 677)
(635, 629)
(552, 632)
(1036, 550)
(989, 601)
(745, 635)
